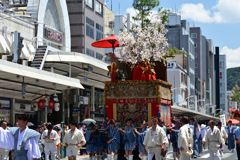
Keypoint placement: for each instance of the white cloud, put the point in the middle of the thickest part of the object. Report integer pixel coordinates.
(232, 56)
(225, 11)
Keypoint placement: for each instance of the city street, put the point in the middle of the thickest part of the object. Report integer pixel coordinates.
(205, 155)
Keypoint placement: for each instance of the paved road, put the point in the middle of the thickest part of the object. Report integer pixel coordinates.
(205, 155)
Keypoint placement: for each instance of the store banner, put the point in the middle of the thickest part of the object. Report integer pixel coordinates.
(5, 103)
(223, 120)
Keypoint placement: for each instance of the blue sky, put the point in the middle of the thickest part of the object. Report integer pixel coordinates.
(218, 19)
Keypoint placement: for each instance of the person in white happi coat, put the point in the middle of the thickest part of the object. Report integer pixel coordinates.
(4, 150)
(185, 140)
(50, 139)
(5, 145)
(223, 135)
(74, 140)
(213, 140)
(155, 140)
(23, 140)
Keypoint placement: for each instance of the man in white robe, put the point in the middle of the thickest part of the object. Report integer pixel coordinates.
(5, 145)
(3, 149)
(74, 140)
(185, 140)
(155, 140)
(23, 140)
(213, 140)
(50, 139)
(224, 137)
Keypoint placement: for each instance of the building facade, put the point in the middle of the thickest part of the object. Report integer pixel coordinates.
(178, 36)
(87, 26)
(208, 74)
(109, 22)
(177, 76)
(196, 35)
(223, 83)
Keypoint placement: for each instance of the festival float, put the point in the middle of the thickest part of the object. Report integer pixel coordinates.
(138, 88)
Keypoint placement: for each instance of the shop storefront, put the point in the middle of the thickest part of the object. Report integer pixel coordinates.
(5, 107)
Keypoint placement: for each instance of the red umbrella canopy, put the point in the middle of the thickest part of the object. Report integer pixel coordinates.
(109, 42)
(232, 110)
(234, 121)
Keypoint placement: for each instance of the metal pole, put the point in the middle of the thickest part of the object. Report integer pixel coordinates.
(174, 91)
(70, 69)
(46, 113)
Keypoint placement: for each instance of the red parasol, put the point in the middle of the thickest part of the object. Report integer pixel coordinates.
(234, 121)
(232, 110)
(109, 42)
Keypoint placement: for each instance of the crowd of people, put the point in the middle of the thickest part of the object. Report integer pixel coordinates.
(187, 137)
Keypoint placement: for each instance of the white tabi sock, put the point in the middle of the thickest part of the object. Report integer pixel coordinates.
(115, 157)
(109, 157)
(130, 157)
(145, 158)
(174, 155)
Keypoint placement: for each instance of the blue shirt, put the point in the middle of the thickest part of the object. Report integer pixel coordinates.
(237, 133)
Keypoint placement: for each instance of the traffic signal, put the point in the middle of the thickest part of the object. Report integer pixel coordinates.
(20, 44)
(23, 90)
(83, 109)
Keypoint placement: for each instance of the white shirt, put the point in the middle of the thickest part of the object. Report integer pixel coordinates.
(211, 131)
(20, 138)
(198, 131)
(154, 132)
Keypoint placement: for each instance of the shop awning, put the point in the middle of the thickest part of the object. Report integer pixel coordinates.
(38, 82)
(180, 111)
(75, 57)
(78, 63)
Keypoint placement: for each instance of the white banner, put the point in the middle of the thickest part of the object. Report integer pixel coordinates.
(223, 120)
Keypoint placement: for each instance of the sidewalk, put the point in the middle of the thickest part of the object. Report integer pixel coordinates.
(78, 158)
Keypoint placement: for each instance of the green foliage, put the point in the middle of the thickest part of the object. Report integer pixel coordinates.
(236, 94)
(144, 8)
(174, 50)
(233, 77)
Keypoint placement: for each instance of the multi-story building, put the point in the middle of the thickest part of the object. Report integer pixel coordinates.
(122, 23)
(86, 25)
(196, 35)
(207, 73)
(211, 77)
(223, 82)
(179, 36)
(109, 22)
(177, 76)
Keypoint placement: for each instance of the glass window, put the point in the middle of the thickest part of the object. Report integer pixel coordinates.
(89, 21)
(89, 3)
(99, 27)
(90, 31)
(196, 65)
(193, 35)
(195, 55)
(90, 52)
(99, 56)
(99, 35)
(99, 8)
(195, 45)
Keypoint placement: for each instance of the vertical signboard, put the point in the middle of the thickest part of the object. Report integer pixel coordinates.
(223, 120)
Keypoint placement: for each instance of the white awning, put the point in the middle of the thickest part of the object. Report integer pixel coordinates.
(75, 57)
(38, 81)
(176, 110)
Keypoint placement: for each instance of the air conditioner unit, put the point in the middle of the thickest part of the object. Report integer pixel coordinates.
(111, 24)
